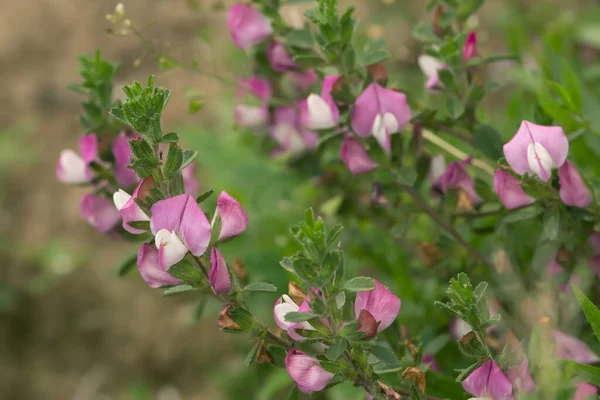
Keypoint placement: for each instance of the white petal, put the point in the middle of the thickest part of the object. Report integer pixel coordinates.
(120, 198)
(437, 168)
(250, 116)
(282, 309)
(72, 168)
(540, 162)
(384, 125)
(288, 137)
(320, 116)
(429, 65)
(173, 247)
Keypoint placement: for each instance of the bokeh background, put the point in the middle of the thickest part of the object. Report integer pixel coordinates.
(69, 328)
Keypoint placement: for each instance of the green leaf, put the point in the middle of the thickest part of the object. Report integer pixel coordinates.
(551, 227)
(455, 107)
(488, 141)
(335, 351)
(587, 372)
(301, 38)
(589, 309)
(386, 355)
(204, 196)
(169, 138)
(186, 271)
(144, 225)
(127, 265)
(195, 105)
(179, 289)
(299, 316)
(308, 60)
(374, 57)
(424, 32)
(174, 161)
(523, 214)
(251, 357)
(572, 85)
(444, 387)
(260, 287)
(360, 284)
(294, 392)
(188, 157)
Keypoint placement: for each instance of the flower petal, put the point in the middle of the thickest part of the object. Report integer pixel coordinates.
(247, 26)
(573, 191)
(283, 306)
(171, 249)
(220, 281)
(88, 147)
(99, 212)
(489, 381)
(234, 219)
(190, 183)
(381, 303)
(279, 57)
(571, 348)
(150, 271)
(71, 168)
(122, 154)
(306, 372)
(585, 391)
(508, 188)
(355, 157)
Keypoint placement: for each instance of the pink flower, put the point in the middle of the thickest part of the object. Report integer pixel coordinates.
(234, 219)
(253, 115)
(508, 188)
(179, 226)
(321, 112)
(381, 303)
(219, 278)
(150, 269)
(520, 377)
(122, 154)
(585, 391)
(571, 348)
(573, 191)
(355, 157)
(129, 210)
(537, 149)
(430, 67)
(470, 48)
(553, 268)
(99, 212)
(74, 168)
(306, 372)
(247, 26)
(304, 80)
(289, 133)
(429, 359)
(285, 305)
(279, 57)
(456, 176)
(380, 112)
(490, 382)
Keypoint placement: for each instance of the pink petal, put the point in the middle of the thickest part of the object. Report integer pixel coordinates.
(190, 183)
(304, 80)
(306, 372)
(585, 391)
(234, 219)
(573, 191)
(131, 212)
(149, 269)
(71, 168)
(355, 157)
(88, 147)
(99, 212)
(220, 281)
(166, 214)
(508, 188)
(571, 348)
(381, 303)
(247, 26)
(456, 176)
(489, 381)
(122, 154)
(470, 47)
(279, 57)
(553, 268)
(254, 86)
(520, 377)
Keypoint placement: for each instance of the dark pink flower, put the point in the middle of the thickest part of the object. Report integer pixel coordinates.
(99, 212)
(122, 155)
(247, 115)
(573, 191)
(456, 176)
(306, 372)
(219, 278)
(355, 157)
(150, 269)
(234, 219)
(489, 381)
(74, 168)
(381, 303)
(470, 48)
(247, 26)
(508, 188)
(279, 57)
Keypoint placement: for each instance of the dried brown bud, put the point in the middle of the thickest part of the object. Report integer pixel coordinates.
(239, 270)
(367, 324)
(564, 255)
(296, 293)
(417, 376)
(338, 85)
(262, 355)
(145, 188)
(378, 72)
(388, 392)
(412, 348)
(431, 253)
(464, 201)
(377, 196)
(224, 320)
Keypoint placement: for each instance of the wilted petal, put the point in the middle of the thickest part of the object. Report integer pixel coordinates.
(470, 48)
(234, 219)
(380, 112)
(279, 57)
(490, 382)
(573, 191)
(381, 303)
(220, 281)
(99, 212)
(71, 168)
(536, 149)
(247, 26)
(355, 157)
(585, 391)
(306, 372)
(571, 348)
(367, 324)
(150, 271)
(122, 154)
(508, 188)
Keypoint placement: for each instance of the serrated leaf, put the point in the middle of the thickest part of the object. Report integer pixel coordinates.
(260, 287)
(386, 355)
(179, 289)
(360, 284)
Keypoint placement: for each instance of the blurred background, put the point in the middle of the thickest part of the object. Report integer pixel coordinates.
(69, 327)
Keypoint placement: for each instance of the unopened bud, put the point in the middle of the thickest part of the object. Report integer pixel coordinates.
(296, 293)
(431, 253)
(239, 270)
(367, 324)
(262, 355)
(417, 376)
(378, 73)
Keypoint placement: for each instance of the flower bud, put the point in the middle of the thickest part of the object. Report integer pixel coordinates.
(296, 293)
(469, 50)
(573, 191)
(219, 278)
(508, 188)
(457, 177)
(279, 57)
(247, 26)
(430, 67)
(234, 219)
(367, 324)
(355, 157)
(74, 168)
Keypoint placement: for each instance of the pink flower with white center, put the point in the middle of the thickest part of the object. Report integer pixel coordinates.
(178, 225)
(430, 67)
(289, 133)
(247, 115)
(537, 149)
(219, 278)
(321, 112)
(129, 210)
(469, 50)
(585, 391)
(355, 157)
(74, 168)
(150, 269)
(279, 57)
(456, 176)
(520, 377)
(99, 212)
(247, 26)
(571, 348)
(234, 219)
(122, 154)
(306, 372)
(509, 189)
(381, 303)
(285, 305)
(573, 191)
(380, 112)
(489, 382)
